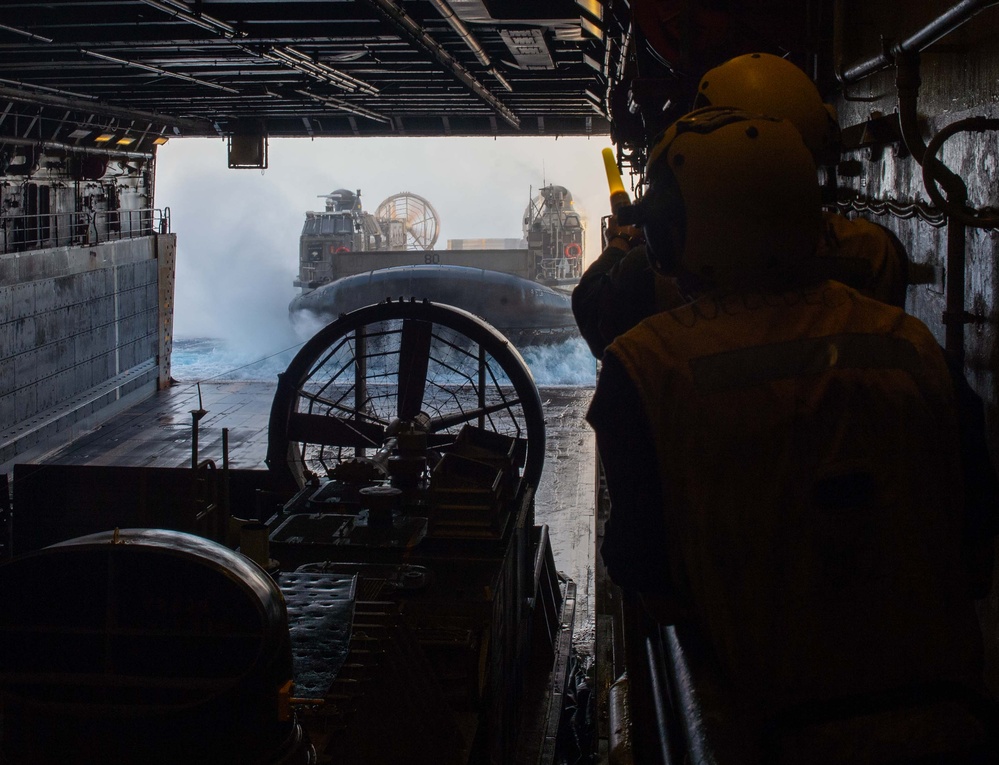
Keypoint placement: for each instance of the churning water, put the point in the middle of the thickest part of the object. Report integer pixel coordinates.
(200, 359)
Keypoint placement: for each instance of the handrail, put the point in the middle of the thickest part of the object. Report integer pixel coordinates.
(21, 232)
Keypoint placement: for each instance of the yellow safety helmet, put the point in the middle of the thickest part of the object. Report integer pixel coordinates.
(730, 195)
(766, 84)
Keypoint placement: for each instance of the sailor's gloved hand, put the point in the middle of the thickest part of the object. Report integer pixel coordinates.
(622, 237)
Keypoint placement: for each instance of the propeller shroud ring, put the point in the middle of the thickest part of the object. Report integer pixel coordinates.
(399, 361)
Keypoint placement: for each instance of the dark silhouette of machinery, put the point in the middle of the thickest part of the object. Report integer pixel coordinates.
(398, 605)
(145, 645)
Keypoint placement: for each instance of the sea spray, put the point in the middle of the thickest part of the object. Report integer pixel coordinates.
(198, 359)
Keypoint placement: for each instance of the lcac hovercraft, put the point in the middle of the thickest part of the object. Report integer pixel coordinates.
(400, 605)
(350, 258)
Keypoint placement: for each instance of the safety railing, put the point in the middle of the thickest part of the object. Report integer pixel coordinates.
(19, 233)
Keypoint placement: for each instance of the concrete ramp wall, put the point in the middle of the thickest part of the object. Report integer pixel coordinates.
(83, 332)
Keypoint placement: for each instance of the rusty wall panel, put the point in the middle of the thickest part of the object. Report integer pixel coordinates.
(960, 78)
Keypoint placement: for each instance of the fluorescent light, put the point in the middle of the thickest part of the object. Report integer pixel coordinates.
(591, 28)
(104, 137)
(126, 140)
(593, 7)
(160, 140)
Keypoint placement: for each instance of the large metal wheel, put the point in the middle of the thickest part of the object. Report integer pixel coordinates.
(398, 365)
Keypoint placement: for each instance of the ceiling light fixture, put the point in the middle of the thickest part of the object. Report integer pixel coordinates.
(593, 7)
(590, 28)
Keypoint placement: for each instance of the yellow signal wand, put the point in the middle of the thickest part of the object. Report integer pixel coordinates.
(618, 196)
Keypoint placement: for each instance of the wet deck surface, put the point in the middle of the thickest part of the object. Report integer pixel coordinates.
(157, 433)
(566, 498)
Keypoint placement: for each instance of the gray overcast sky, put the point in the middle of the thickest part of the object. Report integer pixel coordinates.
(237, 230)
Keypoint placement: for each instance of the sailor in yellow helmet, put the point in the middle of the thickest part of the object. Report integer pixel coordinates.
(783, 454)
(619, 289)
(854, 251)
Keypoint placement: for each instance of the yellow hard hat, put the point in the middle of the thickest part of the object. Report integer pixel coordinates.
(766, 84)
(730, 194)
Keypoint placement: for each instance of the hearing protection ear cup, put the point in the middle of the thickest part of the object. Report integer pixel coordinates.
(665, 224)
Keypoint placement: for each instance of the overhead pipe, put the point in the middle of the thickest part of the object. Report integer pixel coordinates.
(180, 10)
(29, 35)
(300, 62)
(406, 24)
(34, 95)
(284, 55)
(30, 94)
(469, 39)
(57, 146)
(336, 103)
(940, 27)
(125, 62)
(158, 70)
